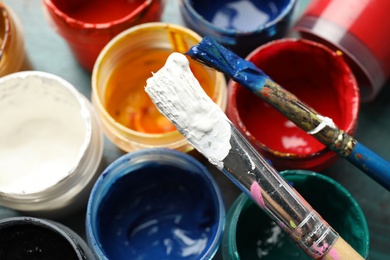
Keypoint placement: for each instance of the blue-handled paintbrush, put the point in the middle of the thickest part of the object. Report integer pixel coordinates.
(179, 97)
(244, 72)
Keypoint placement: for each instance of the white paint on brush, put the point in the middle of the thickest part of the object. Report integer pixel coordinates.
(179, 97)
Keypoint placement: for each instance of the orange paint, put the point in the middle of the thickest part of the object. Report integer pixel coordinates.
(128, 103)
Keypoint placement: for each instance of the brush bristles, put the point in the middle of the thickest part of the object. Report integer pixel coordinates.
(179, 97)
(211, 53)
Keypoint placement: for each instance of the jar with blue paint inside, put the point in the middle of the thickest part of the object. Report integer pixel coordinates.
(155, 203)
(240, 25)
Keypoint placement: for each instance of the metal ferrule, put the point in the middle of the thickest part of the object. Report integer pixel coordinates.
(307, 118)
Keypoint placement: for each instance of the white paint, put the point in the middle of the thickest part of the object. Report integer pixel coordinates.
(179, 97)
(43, 133)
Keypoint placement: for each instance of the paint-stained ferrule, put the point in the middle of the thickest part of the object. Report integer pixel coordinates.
(307, 118)
(314, 235)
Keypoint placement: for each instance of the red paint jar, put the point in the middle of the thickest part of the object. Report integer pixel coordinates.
(317, 76)
(88, 25)
(358, 29)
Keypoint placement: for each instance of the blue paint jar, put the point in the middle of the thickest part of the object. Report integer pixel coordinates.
(240, 25)
(155, 203)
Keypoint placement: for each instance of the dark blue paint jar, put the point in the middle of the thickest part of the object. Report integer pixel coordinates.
(240, 25)
(155, 203)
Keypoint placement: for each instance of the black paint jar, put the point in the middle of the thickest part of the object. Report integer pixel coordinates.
(34, 238)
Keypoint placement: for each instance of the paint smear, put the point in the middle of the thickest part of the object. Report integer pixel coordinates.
(179, 97)
(334, 254)
(320, 249)
(256, 195)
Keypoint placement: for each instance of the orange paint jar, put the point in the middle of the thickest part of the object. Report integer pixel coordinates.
(128, 116)
(12, 49)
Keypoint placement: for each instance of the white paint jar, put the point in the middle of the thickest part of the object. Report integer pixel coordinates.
(50, 144)
(13, 56)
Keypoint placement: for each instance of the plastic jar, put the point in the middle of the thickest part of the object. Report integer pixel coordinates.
(50, 144)
(87, 26)
(155, 203)
(12, 50)
(317, 76)
(356, 28)
(34, 238)
(241, 26)
(128, 116)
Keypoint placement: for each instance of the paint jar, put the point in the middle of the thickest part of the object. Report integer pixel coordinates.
(88, 25)
(315, 74)
(251, 234)
(155, 203)
(50, 145)
(12, 50)
(356, 28)
(35, 238)
(129, 117)
(241, 25)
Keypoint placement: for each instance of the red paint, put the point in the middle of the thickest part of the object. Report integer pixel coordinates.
(91, 11)
(363, 21)
(366, 19)
(319, 78)
(88, 25)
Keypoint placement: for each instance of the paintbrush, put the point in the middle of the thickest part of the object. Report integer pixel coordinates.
(179, 97)
(248, 75)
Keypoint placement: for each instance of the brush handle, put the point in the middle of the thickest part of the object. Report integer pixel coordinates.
(261, 182)
(341, 250)
(372, 164)
(327, 133)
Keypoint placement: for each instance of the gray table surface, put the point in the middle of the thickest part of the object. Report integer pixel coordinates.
(48, 52)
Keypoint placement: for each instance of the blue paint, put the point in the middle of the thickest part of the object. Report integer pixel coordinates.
(155, 204)
(241, 15)
(241, 25)
(372, 164)
(213, 54)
